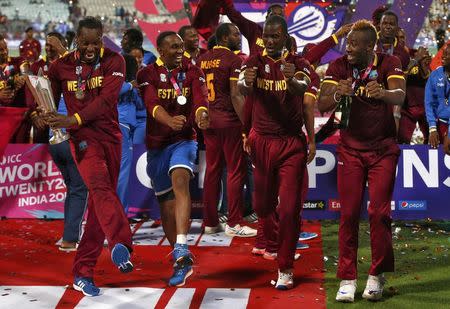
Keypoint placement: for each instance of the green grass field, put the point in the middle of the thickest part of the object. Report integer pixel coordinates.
(422, 277)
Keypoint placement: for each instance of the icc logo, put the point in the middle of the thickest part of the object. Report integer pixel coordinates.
(310, 23)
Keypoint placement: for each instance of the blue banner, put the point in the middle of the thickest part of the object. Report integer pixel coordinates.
(422, 186)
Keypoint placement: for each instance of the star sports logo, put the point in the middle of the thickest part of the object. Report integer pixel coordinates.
(412, 205)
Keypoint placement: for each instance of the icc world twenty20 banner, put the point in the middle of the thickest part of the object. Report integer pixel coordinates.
(32, 187)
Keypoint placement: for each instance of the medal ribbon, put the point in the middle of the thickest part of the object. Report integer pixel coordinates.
(81, 85)
(175, 84)
(358, 79)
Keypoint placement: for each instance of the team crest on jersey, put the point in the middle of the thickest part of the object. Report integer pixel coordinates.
(163, 77)
(267, 68)
(78, 69)
(373, 75)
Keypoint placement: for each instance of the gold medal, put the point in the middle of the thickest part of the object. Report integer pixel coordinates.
(79, 94)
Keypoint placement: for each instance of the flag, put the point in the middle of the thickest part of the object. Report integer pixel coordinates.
(437, 60)
(10, 118)
(206, 17)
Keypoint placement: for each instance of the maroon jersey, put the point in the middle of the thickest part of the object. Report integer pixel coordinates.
(371, 124)
(189, 59)
(220, 66)
(30, 49)
(97, 111)
(10, 72)
(275, 112)
(158, 91)
(314, 86)
(415, 88)
(397, 50)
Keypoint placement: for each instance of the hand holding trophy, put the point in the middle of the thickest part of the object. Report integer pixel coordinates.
(41, 89)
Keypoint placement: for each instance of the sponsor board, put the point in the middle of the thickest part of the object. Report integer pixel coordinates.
(412, 205)
(334, 205)
(314, 205)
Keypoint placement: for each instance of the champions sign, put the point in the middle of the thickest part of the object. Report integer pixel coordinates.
(30, 183)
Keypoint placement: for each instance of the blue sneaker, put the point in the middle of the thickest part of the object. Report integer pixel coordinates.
(121, 258)
(182, 255)
(307, 236)
(86, 285)
(180, 274)
(182, 268)
(302, 245)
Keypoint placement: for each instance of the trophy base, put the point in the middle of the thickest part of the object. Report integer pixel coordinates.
(58, 137)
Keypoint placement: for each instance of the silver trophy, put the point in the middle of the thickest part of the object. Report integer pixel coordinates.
(41, 89)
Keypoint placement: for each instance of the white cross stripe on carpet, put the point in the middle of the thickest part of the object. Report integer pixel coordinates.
(121, 298)
(225, 298)
(181, 299)
(29, 297)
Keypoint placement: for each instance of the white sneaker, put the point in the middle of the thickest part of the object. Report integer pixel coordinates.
(240, 231)
(285, 280)
(346, 291)
(213, 229)
(374, 287)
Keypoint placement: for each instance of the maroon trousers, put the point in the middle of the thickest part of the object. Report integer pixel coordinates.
(270, 224)
(355, 168)
(280, 164)
(442, 129)
(99, 166)
(224, 146)
(407, 125)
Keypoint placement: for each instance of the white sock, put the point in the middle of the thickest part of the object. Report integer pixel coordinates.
(182, 239)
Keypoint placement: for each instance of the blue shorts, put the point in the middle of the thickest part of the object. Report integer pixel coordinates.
(161, 162)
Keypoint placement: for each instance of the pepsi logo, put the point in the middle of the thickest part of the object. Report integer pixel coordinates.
(404, 204)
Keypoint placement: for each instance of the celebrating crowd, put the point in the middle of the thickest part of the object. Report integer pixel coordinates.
(257, 107)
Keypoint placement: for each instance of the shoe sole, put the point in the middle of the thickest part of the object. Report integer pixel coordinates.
(307, 238)
(67, 249)
(371, 297)
(184, 281)
(121, 255)
(283, 287)
(77, 288)
(302, 248)
(345, 300)
(269, 258)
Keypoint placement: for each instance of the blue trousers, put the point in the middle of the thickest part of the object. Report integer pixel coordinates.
(76, 199)
(131, 134)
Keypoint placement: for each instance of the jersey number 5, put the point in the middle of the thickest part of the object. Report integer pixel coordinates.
(210, 85)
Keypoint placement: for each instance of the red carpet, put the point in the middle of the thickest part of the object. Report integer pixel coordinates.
(29, 257)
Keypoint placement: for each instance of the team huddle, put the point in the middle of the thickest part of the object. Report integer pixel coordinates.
(257, 108)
